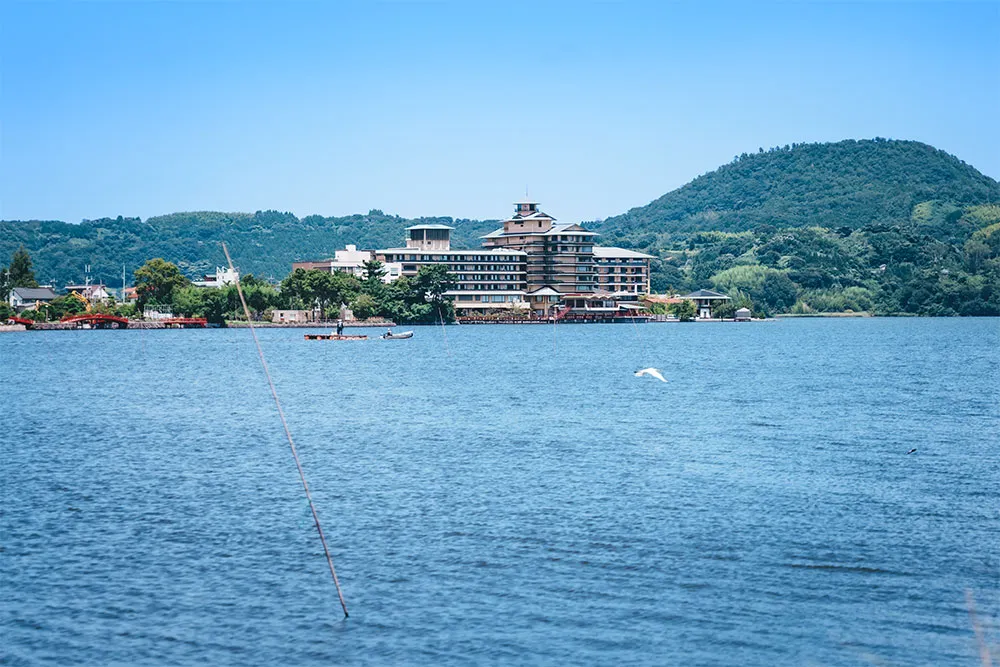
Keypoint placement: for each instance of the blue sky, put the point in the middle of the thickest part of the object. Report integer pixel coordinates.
(140, 109)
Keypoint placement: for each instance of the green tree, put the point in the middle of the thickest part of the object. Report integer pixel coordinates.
(4, 284)
(188, 301)
(372, 271)
(64, 305)
(685, 310)
(777, 292)
(156, 280)
(259, 296)
(20, 273)
(432, 282)
(364, 306)
(215, 304)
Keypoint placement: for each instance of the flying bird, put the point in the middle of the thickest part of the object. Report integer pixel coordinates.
(651, 372)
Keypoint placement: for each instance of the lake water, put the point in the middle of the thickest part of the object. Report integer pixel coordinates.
(504, 495)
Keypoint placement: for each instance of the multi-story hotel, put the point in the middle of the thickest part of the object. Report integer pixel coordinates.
(532, 262)
(621, 271)
(484, 279)
(559, 256)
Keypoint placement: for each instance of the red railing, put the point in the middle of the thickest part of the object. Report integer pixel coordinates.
(96, 319)
(21, 320)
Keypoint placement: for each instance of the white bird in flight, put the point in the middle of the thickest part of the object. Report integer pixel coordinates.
(651, 372)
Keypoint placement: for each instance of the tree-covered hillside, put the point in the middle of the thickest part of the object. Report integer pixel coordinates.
(264, 243)
(844, 184)
(883, 226)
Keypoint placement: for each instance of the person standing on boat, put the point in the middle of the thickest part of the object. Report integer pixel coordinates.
(340, 327)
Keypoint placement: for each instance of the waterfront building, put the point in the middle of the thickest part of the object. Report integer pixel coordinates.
(223, 276)
(90, 293)
(532, 263)
(28, 298)
(562, 258)
(485, 279)
(292, 316)
(350, 260)
(704, 299)
(559, 255)
(742, 315)
(621, 271)
(544, 301)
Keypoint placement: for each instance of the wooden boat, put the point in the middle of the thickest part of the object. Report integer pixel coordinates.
(333, 337)
(397, 336)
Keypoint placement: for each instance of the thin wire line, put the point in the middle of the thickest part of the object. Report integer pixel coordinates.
(444, 331)
(288, 433)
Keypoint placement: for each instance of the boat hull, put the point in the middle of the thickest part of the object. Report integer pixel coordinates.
(333, 337)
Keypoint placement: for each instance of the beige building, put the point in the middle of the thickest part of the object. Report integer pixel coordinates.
(291, 316)
(621, 271)
(562, 260)
(485, 280)
(559, 255)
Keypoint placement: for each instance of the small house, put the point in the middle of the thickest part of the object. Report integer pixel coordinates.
(704, 300)
(291, 316)
(742, 315)
(27, 298)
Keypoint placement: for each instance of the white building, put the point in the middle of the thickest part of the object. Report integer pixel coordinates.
(704, 301)
(485, 279)
(351, 260)
(92, 293)
(223, 276)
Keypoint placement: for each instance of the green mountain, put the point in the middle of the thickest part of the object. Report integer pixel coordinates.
(880, 225)
(844, 184)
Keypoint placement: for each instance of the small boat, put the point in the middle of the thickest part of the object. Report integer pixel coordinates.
(333, 337)
(397, 336)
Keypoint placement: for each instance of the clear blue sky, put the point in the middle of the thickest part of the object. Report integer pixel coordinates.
(112, 108)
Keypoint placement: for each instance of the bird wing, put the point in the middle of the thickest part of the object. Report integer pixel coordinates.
(652, 372)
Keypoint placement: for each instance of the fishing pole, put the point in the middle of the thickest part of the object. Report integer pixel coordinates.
(288, 433)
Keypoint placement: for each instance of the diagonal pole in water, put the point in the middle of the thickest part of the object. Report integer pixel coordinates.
(288, 433)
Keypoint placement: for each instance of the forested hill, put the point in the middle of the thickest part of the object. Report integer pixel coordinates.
(264, 243)
(875, 225)
(843, 184)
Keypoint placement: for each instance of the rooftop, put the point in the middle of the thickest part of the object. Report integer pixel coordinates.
(545, 291)
(560, 228)
(705, 294)
(471, 251)
(619, 253)
(428, 227)
(34, 293)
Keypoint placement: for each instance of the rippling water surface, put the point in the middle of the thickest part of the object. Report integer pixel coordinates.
(504, 495)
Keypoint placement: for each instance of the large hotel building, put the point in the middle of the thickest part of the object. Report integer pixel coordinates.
(533, 263)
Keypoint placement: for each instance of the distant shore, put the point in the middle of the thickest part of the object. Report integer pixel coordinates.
(860, 314)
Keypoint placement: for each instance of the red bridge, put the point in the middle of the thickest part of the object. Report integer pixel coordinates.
(97, 320)
(21, 320)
